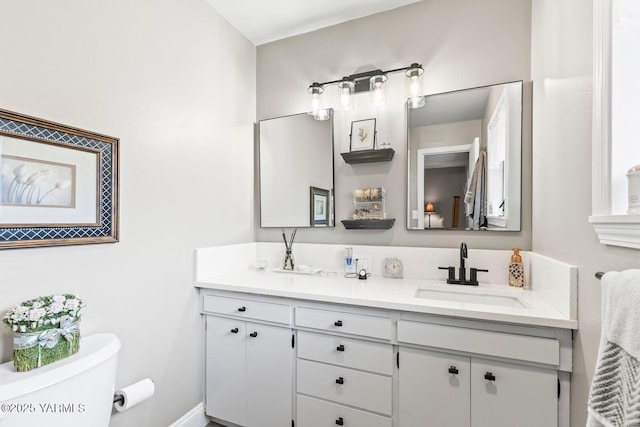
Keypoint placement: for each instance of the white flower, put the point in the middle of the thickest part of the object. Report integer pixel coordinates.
(36, 313)
(15, 328)
(21, 309)
(71, 304)
(63, 184)
(59, 298)
(23, 328)
(37, 304)
(56, 307)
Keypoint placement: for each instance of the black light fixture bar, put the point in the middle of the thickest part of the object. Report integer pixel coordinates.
(361, 80)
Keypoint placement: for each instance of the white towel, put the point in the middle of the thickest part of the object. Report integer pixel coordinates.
(476, 197)
(615, 392)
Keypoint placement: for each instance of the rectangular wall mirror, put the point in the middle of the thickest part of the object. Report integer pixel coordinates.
(464, 160)
(296, 171)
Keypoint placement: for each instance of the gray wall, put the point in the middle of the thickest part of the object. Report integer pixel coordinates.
(562, 74)
(459, 44)
(176, 84)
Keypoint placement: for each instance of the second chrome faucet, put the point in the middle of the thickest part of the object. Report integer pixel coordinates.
(462, 271)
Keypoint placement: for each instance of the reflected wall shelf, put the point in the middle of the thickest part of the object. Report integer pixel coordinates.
(368, 224)
(368, 156)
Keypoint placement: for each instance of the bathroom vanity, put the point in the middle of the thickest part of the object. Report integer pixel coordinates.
(309, 350)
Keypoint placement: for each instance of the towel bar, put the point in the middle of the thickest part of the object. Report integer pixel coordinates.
(599, 275)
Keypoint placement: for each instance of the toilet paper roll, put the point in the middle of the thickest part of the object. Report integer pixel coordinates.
(134, 394)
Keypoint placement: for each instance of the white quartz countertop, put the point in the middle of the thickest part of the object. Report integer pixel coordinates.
(499, 303)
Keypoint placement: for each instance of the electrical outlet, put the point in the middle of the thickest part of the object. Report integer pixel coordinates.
(362, 261)
(414, 214)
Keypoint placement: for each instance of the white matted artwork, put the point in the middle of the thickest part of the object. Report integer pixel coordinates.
(319, 206)
(47, 184)
(363, 135)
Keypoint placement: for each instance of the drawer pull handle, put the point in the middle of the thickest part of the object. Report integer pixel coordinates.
(242, 308)
(253, 334)
(340, 380)
(338, 323)
(489, 376)
(340, 421)
(234, 331)
(340, 347)
(453, 370)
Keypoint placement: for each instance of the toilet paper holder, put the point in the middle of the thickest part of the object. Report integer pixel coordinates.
(133, 394)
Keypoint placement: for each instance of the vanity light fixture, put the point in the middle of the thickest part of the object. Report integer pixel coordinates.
(369, 81)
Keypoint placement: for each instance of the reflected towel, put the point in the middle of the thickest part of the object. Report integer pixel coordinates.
(614, 399)
(475, 198)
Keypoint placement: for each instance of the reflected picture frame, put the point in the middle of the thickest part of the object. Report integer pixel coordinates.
(363, 135)
(59, 185)
(319, 206)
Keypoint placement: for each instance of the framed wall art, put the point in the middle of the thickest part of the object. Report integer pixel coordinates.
(363, 135)
(58, 184)
(319, 207)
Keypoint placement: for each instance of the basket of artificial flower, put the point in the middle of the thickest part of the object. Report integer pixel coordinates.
(45, 329)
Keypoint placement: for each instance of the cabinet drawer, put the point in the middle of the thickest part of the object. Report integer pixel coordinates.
(249, 309)
(348, 323)
(490, 343)
(318, 413)
(347, 352)
(360, 389)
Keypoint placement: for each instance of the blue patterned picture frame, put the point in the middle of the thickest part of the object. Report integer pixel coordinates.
(39, 204)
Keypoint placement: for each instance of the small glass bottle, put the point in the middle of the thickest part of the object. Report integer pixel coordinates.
(516, 270)
(289, 264)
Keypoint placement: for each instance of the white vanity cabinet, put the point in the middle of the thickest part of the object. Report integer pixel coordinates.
(460, 390)
(249, 364)
(279, 361)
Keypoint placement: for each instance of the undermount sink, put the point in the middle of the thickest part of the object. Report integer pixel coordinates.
(473, 298)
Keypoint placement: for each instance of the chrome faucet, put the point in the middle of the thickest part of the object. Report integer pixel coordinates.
(462, 270)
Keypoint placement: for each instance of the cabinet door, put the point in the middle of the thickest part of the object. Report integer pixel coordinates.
(269, 376)
(225, 369)
(504, 394)
(433, 389)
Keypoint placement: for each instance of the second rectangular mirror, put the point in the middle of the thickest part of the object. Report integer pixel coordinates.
(464, 154)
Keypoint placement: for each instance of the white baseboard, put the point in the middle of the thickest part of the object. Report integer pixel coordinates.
(194, 418)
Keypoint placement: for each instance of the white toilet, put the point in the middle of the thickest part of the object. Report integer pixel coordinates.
(73, 392)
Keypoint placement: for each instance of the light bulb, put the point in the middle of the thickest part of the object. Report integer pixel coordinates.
(346, 86)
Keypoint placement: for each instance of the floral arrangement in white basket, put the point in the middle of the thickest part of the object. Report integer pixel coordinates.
(38, 325)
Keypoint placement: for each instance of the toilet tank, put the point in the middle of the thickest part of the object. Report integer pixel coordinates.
(73, 392)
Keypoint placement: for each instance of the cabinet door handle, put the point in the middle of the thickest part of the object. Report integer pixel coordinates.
(253, 334)
(453, 370)
(489, 376)
(340, 347)
(338, 323)
(242, 308)
(234, 331)
(340, 380)
(340, 421)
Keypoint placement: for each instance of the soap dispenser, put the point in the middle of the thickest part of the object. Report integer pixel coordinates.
(516, 270)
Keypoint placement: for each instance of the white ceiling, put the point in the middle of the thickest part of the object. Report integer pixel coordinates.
(263, 21)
